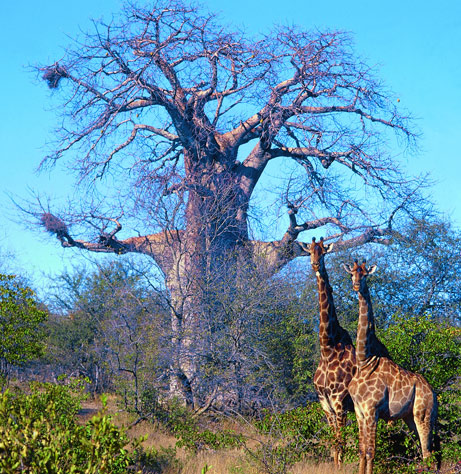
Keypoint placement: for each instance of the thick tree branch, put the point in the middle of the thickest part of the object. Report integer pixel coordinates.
(326, 157)
(281, 252)
(159, 246)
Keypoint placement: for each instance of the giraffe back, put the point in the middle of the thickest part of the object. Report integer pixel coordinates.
(391, 390)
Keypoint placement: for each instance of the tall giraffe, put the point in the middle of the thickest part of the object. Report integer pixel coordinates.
(337, 354)
(381, 388)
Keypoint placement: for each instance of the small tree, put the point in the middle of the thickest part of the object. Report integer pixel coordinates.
(427, 256)
(21, 325)
(111, 328)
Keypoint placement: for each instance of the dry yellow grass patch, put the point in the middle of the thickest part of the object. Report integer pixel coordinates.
(223, 462)
(218, 462)
(234, 462)
(323, 468)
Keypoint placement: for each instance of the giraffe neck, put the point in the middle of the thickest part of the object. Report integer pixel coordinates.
(366, 338)
(330, 332)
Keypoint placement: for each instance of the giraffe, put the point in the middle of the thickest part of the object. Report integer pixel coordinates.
(337, 354)
(381, 388)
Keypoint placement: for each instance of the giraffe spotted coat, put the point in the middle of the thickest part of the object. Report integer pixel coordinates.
(337, 355)
(381, 388)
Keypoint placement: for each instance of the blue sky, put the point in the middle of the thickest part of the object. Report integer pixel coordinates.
(415, 44)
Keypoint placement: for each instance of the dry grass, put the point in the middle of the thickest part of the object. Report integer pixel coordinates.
(323, 468)
(223, 462)
(235, 462)
(218, 462)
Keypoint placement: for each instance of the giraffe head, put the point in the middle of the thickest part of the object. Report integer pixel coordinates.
(359, 273)
(317, 250)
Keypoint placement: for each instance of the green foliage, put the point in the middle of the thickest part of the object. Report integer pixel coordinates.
(397, 449)
(293, 436)
(72, 344)
(433, 349)
(66, 398)
(289, 338)
(303, 431)
(195, 438)
(205, 469)
(21, 325)
(39, 433)
(426, 346)
(192, 436)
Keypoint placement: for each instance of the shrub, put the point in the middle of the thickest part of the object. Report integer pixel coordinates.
(21, 325)
(155, 461)
(39, 433)
(303, 431)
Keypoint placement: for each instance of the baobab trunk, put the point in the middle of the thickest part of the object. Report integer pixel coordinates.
(211, 242)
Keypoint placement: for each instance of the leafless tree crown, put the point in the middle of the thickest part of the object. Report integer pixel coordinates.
(161, 102)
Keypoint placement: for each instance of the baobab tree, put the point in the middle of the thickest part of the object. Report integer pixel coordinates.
(169, 121)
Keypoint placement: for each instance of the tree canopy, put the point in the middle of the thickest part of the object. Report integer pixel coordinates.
(179, 117)
(21, 325)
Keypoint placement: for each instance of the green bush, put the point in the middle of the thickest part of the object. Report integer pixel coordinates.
(21, 325)
(39, 433)
(290, 437)
(303, 431)
(155, 461)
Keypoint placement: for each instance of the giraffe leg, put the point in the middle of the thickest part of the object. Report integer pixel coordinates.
(339, 438)
(362, 445)
(371, 443)
(424, 419)
(425, 428)
(367, 442)
(331, 419)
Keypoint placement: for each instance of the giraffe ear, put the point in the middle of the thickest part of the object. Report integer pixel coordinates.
(372, 269)
(348, 269)
(305, 247)
(328, 247)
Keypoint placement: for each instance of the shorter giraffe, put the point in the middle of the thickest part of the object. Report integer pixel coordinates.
(337, 354)
(381, 388)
